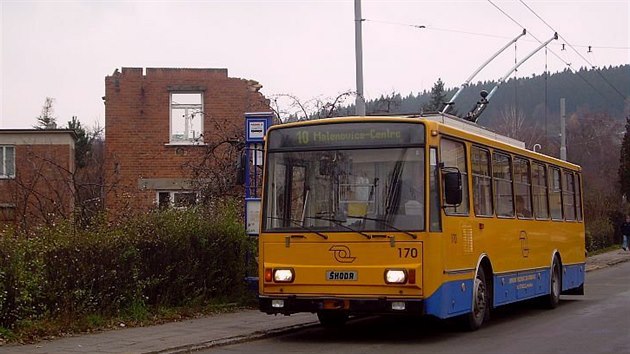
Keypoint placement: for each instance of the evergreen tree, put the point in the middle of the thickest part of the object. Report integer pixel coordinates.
(83, 144)
(437, 98)
(624, 162)
(46, 120)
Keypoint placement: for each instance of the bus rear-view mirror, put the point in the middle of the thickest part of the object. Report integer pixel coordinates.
(453, 187)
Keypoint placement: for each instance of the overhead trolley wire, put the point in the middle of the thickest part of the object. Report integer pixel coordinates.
(431, 28)
(575, 50)
(428, 27)
(552, 52)
(489, 35)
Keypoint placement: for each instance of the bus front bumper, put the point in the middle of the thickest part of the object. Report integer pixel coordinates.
(292, 304)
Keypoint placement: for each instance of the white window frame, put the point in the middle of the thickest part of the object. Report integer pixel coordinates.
(171, 197)
(196, 111)
(4, 151)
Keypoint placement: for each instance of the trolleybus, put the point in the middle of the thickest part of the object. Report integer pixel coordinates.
(428, 215)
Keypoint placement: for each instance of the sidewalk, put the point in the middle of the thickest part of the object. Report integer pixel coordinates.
(190, 335)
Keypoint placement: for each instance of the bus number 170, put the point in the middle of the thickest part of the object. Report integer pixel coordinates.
(407, 252)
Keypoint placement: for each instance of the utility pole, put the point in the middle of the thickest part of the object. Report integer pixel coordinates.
(358, 40)
(563, 131)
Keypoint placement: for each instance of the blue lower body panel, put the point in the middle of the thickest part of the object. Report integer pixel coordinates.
(517, 286)
(573, 276)
(455, 298)
(451, 299)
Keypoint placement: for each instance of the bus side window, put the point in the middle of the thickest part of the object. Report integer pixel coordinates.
(482, 182)
(453, 154)
(539, 184)
(555, 194)
(522, 188)
(568, 195)
(578, 196)
(434, 192)
(502, 177)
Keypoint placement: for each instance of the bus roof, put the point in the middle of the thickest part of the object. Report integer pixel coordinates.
(463, 127)
(474, 128)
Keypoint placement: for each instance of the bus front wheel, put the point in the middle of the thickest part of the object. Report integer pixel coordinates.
(481, 305)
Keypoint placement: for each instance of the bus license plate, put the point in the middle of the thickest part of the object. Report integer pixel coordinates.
(344, 275)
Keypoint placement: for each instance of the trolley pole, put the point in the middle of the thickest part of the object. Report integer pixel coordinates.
(563, 131)
(358, 40)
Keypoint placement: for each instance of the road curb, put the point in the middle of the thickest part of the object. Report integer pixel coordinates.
(236, 339)
(608, 263)
(294, 328)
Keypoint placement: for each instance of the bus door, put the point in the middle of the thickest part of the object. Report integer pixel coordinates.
(459, 240)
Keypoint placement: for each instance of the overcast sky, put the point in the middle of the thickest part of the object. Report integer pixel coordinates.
(64, 49)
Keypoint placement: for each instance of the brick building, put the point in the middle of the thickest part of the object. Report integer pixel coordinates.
(36, 175)
(162, 124)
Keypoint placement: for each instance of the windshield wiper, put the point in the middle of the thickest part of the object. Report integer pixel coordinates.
(385, 223)
(340, 223)
(299, 223)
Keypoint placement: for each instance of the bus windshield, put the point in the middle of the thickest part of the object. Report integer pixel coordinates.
(345, 189)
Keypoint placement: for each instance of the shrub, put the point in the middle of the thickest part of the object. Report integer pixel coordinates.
(599, 234)
(163, 258)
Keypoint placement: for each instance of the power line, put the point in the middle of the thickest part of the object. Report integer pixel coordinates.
(575, 50)
(481, 34)
(510, 17)
(427, 27)
(552, 52)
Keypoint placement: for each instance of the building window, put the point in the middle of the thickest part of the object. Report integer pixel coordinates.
(7, 212)
(176, 199)
(7, 161)
(186, 117)
(482, 182)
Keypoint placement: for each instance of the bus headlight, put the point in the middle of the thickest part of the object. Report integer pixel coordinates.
(395, 276)
(283, 275)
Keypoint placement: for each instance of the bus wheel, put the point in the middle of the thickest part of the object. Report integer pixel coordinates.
(556, 285)
(481, 306)
(332, 319)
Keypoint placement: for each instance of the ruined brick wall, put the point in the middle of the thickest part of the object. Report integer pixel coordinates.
(139, 157)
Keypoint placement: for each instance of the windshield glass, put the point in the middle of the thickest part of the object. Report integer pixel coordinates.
(341, 190)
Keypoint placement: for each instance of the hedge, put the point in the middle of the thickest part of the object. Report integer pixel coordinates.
(163, 258)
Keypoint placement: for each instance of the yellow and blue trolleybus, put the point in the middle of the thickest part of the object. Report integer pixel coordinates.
(414, 215)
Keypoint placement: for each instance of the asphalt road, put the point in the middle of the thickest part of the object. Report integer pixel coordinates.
(598, 322)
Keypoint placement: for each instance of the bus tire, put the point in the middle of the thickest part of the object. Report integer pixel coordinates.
(332, 318)
(481, 302)
(553, 299)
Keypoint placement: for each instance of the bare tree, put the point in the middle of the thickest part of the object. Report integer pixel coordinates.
(214, 173)
(289, 108)
(593, 141)
(329, 108)
(513, 123)
(48, 189)
(385, 104)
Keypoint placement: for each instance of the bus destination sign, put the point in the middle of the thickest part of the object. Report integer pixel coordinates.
(341, 135)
